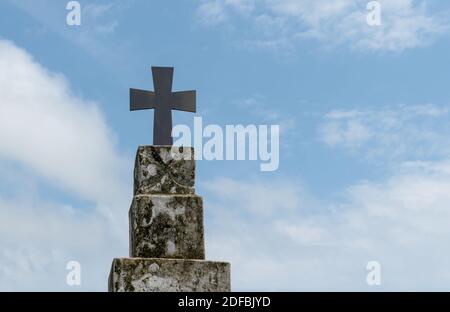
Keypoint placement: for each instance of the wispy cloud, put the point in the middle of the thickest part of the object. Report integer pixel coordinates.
(102, 17)
(297, 241)
(214, 12)
(211, 13)
(412, 132)
(285, 23)
(99, 21)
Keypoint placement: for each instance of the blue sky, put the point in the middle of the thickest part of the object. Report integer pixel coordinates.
(364, 160)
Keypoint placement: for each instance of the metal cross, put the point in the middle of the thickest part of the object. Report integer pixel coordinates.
(162, 100)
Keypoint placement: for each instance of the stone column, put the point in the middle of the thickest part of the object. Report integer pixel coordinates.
(167, 248)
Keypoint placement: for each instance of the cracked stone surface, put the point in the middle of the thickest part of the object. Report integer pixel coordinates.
(158, 171)
(167, 226)
(168, 275)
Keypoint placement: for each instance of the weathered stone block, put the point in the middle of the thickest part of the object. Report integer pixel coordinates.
(157, 171)
(167, 226)
(168, 275)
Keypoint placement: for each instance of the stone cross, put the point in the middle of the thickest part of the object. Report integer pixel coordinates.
(162, 100)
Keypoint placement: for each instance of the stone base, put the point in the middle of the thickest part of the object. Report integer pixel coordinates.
(168, 275)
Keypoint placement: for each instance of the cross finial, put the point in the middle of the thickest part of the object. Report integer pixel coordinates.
(162, 100)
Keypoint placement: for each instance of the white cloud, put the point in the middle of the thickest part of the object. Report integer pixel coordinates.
(60, 136)
(241, 6)
(281, 24)
(401, 222)
(418, 131)
(325, 243)
(39, 237)
(56, 138)
(211, 13)
(101, 18)
(214, 12)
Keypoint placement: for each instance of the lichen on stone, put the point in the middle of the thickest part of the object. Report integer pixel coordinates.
(170, 275)
(157, 172)
(167, 226)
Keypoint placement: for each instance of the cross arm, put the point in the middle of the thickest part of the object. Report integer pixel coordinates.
(184, 101)
(141, 99)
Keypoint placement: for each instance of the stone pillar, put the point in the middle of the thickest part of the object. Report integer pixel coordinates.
(167, 248)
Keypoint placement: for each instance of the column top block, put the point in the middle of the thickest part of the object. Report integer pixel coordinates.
(164, 169)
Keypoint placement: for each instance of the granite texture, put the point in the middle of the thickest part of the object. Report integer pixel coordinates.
(167, 248)
(167, 226)
(157, 171)
(168, 275)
